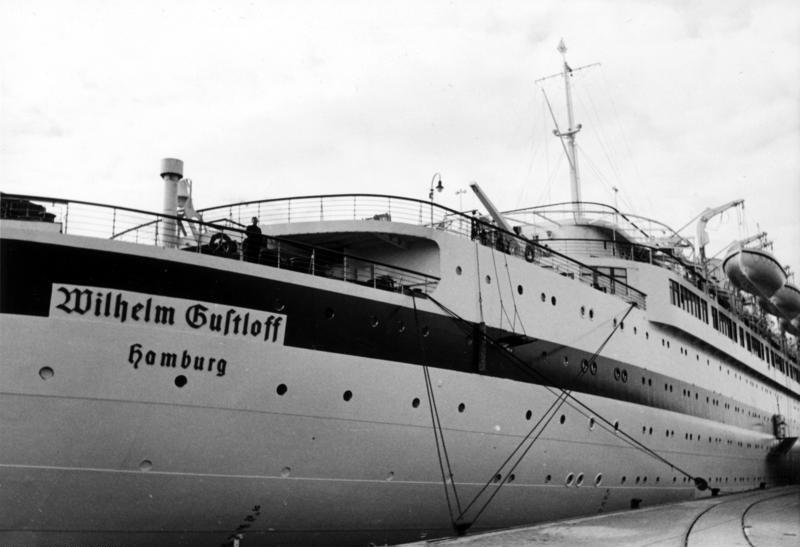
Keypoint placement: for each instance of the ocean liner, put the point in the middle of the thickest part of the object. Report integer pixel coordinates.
(372, 369)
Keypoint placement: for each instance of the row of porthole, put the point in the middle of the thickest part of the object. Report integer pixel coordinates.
(375, 322)
(415, 403)
(570, 480)
(553, 301)
(180, 381)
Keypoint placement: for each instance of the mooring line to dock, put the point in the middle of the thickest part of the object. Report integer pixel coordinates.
(562, 395)
(438, 431)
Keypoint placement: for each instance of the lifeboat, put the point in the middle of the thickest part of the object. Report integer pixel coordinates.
(787, 301)
(754, 271)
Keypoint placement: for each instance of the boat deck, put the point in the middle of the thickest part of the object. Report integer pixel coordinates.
(759, 518)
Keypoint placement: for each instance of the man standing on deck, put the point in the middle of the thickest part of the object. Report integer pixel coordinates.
(252, 243)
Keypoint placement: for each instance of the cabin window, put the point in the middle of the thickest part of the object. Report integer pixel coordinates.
(607, 279)
(688, 301)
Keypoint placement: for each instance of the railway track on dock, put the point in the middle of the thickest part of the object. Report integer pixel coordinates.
(725, 522)
(758, 518)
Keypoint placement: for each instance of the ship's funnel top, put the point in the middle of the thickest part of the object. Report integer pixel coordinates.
(172, 166)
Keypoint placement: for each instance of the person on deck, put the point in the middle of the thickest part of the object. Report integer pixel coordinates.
(252, 242)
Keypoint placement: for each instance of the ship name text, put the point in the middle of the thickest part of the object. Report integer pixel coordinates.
(122, 307)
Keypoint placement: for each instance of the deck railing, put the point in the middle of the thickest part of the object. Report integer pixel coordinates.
(225, 238)
(133, 225)
(375, 207)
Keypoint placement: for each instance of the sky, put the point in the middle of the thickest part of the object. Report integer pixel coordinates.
(693, 103)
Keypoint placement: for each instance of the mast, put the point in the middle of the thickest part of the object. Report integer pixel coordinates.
(572, 130)
(567, 137)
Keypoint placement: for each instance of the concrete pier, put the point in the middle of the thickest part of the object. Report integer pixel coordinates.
(759, 518)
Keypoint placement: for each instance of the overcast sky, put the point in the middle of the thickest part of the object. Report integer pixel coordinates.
(694, 103)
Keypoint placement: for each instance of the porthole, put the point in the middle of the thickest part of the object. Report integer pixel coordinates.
(569, 479)
(646, 335)
(579, 480)
(497, 478)
(565, 360)
(415, 402)
(615, 322)
(512, 477)
(45, 373)
(279, 305)
(584, 365)
(180, 380)
(543, 297)
(591, 313)
(623, 479)
(583, 311)
(461, 407)
(401, 326)
(562, 419)
(616, 426)
(635, 330)
(373, 321)
(548, 478)
(488, 279)
(458, 270)
(637, 480)
(329, 313)
(591, 424)
(528, 415)
(520, 290)
(617, 373)
(426, 331)
(347, 395)
(593, 367)
(624, 376)
(281, 390)
(553, 300)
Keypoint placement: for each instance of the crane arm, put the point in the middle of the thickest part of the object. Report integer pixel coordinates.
(708, 214)
(493, 212)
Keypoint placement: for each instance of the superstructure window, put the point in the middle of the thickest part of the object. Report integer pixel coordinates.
(613, 280)
(723, 324)
(688, 301)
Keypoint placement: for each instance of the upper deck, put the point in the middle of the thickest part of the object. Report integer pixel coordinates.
(379, 212)
(316, 235)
